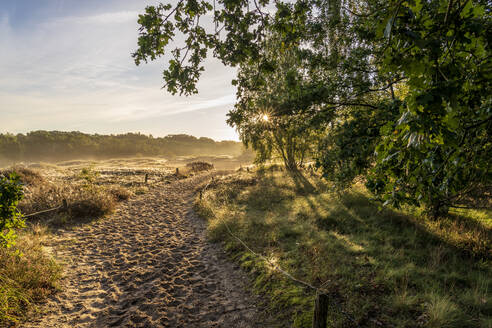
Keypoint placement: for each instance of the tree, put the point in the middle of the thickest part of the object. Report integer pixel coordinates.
(347, 149)
(61, 146)
(431, 144)
(265, 117)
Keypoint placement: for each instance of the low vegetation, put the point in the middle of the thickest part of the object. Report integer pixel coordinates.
(27, 276)
(199, 166)
(84, 199)
(381, 268)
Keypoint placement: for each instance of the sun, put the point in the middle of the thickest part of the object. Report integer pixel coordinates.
(265, 117)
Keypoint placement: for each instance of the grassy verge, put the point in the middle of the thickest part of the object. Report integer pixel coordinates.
(383, 268)
(27, 276)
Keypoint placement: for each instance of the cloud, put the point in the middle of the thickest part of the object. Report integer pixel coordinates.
(76, 72)
(109, 18)
(157, 110)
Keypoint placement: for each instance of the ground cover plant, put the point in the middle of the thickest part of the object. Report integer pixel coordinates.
(382, 268)
(27, 275)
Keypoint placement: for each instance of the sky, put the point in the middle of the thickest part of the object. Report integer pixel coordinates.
(66, 65)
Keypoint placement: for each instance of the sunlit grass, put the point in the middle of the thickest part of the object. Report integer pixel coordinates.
(385, 268)
(27, 276)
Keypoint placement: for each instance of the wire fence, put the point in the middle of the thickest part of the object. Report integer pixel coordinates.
(322, 295)
(64, 206)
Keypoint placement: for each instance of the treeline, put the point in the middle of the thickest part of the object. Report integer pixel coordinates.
(51, 146)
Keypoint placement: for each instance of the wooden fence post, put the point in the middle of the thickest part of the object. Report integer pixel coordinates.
(177, 171)
(320, 311)
(146, 177)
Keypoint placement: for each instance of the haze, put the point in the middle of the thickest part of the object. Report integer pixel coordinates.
(66, 65)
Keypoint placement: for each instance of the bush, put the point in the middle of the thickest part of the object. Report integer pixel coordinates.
(199, 166)
(84, 201)
(91, 203)
(120, 193)
(10, 217)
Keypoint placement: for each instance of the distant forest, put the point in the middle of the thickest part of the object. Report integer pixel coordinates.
(52, 146)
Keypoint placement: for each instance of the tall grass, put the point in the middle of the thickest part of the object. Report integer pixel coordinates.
(85, 199)
(27, 275)
(382, 268)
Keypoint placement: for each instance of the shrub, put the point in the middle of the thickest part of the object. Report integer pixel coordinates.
(120, 193)
(84, 201)
(10, 217)
(199, 166)
(91, 203)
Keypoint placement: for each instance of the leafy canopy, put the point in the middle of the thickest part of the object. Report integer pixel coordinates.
(398, 91)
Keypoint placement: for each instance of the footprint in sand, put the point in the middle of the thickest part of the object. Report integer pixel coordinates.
(149, 265)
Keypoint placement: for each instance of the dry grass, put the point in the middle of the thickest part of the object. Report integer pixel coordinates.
(27, 176)
(120, 193)
(27, 276)
(90, 203)
(84, 202)
(199, 166)
(84, 198)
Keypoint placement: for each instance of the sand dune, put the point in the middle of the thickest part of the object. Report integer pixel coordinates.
(148, 265)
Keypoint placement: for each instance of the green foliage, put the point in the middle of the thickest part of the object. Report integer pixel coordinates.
(89, 175)
(263, 115)
(402, 88)
(10, 217)
(347, 149)
(438, 152)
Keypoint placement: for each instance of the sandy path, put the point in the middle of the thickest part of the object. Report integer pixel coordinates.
(148, 265)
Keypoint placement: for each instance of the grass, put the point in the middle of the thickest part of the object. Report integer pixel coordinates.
(26, 175)
(85, 199)
(27, 276)
(383, 268)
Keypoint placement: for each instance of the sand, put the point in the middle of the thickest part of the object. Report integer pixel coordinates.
(148, 265)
